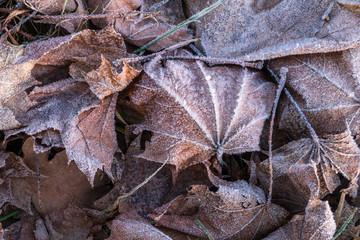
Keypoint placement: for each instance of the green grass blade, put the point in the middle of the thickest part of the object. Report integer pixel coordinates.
(208, 234)
(344, 225)
(10, 215)
(181, 25)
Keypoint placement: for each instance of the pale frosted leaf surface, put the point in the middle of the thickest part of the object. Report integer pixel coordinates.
(239, 208)
(318, 223)
(128, 225)
(259, 30)
(86, 125)
(14, 79)
(326, 87)
(197, 111)
(305, 169)
(105, 80)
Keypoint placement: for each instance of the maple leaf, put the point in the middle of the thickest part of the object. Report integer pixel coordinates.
(239, 208)
(291, 27)
(326, 88)
(317, 223)
(195, 111)
(85, 123)
(304, 169)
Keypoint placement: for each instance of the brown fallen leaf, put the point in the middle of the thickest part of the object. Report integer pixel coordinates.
(13, 188)
(71, 223)
(82, 53)
(304, 170)
(170, 12)
(195, 111)
(317, 223)
(86, 125)
(133, 172)
(128, 226)
(22, 230)
(326, 88)
(51, 6)
(105, 80)
(260, 30)
(14, 79)
(62, 183)
(236, 210)
(112, 8)
(140, 28)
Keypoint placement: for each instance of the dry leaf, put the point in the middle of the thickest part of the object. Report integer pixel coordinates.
(61, 183)
(140, 29)
(304, 170)
(51, 6)
(21, 230)
(83, 52)
(326, 87)
(71, 223)
(128, 226)
(111, 8)
(195, 111)
(105, 80)
(318, 223)
(11, 173)
(86, 125)
(170, 12)
(259, 30)
(14, 79)
(133, 173)
(239, 208)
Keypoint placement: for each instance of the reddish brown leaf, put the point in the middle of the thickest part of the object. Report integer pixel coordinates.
(318, 223)
(239, 208)
(71, 223)
(61, 183)
(259, 30)
(197, 111)
(105, 80)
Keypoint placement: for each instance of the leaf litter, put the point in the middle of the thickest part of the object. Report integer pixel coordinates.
(196, 115)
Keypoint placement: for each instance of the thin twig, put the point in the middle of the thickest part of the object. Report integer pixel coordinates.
(281, 86)
(313, 134)
(17, 25)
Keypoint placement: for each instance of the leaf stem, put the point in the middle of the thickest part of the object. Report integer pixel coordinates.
(281, 86)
